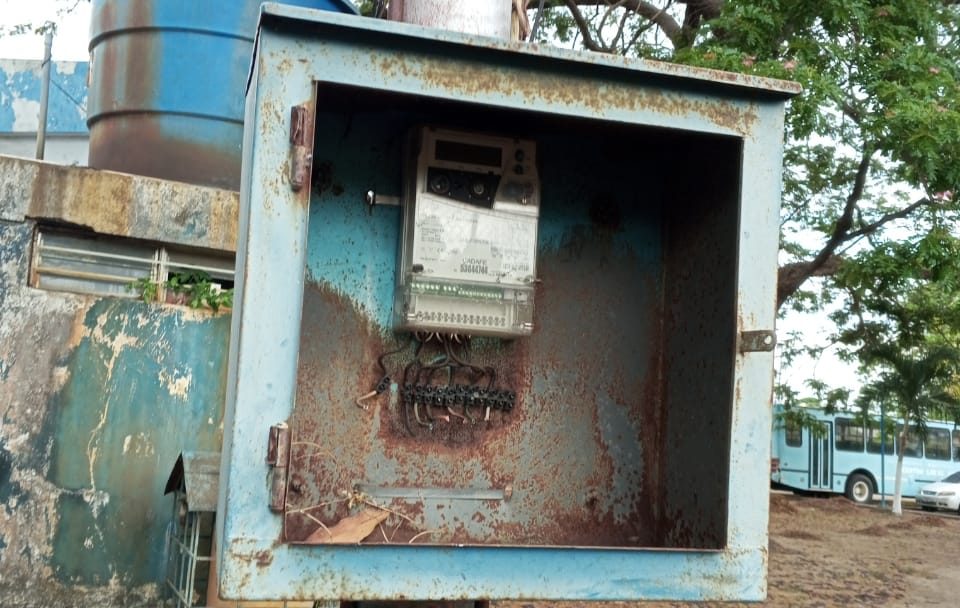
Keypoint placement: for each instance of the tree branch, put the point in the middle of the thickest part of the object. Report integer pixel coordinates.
(845, 221)
(707, 8)
(584, 28)
(667, 24)
(619, 35)
(852, 112)
(792, 275)
(697, 12)
(788, 283)
(896, 215)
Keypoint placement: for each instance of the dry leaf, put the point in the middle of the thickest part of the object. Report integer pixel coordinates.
(349, 530)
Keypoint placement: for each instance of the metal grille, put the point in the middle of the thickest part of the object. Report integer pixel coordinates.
(107, 266)
(189, 545)
(190, 563)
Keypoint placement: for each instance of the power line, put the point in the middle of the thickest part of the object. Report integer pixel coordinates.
(79, 105)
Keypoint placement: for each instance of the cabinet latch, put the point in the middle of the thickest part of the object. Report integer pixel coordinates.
(760, 340)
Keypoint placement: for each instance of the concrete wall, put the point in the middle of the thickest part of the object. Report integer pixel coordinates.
(99, 395)
(67, 135)
(60, 149)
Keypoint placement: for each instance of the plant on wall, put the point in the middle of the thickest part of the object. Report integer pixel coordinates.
(195, 288)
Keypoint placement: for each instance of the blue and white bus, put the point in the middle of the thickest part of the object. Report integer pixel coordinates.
(845, 458)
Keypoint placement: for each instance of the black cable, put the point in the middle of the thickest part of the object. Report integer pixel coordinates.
(429, 383)
(383, 356)
(68, 95)
(493, 377)
(453, 355)
(406, 404)
(421, 390)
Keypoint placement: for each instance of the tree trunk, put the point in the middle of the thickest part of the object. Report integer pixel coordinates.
(897, 508)
(481, 17)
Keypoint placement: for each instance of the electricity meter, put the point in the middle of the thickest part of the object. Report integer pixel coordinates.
(467, 262)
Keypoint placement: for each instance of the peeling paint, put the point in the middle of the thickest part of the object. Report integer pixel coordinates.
(177, 385)
(138, 445)
(59, 377)
(20, 96)
(25, 112)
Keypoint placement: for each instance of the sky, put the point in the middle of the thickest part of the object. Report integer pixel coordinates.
(73, 28)
(70, 43)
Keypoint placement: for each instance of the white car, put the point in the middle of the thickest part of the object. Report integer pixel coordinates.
(943, 494)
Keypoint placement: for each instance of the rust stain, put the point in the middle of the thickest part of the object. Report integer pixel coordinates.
(473, 81)
(77, 328)
(336, 444)
(138, 72)
(104, 19)
(263, 559)
(590, 451)
(137, 144)
(105, 196)
(128, 205)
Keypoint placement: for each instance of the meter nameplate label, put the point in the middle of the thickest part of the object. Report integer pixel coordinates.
(464, 242)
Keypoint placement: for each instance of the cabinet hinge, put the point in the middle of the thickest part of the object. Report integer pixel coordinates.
(278, 459)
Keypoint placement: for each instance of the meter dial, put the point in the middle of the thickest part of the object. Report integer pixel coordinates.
(478, 189)
(439, 183)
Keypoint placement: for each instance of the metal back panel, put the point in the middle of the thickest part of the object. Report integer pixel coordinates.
(641, 428)
(582, 460)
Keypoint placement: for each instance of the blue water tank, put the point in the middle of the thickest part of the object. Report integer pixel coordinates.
(167, 84)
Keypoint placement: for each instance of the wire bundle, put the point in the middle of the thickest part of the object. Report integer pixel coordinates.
(439, 385)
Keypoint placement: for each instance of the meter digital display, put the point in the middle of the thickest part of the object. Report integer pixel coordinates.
(467, 262)
(456, 151)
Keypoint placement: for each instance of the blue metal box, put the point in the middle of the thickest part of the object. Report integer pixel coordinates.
(635, 462)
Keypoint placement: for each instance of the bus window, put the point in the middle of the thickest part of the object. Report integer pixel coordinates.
(913, 447)
(794, 434)
(956, 445)
(849, 435)
(873, 441)
(937, 445)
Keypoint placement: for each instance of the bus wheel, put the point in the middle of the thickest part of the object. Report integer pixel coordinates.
(859, 489)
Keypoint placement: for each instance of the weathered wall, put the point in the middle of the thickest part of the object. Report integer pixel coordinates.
(67, 135)
(98, 395)
(119, 204)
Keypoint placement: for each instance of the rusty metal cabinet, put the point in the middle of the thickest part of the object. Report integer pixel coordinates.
(635, 462)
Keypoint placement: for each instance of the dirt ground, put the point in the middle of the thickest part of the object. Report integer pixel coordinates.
(827, 552)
